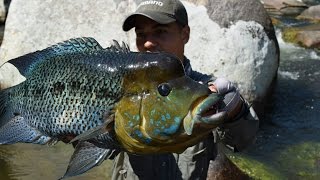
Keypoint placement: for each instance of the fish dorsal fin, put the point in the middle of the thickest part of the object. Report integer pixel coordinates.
(28, 61)
(115, 46)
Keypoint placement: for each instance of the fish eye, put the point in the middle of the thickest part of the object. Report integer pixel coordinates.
(164, 89)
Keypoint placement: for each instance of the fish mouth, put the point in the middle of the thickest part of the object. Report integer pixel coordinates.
(204, 113)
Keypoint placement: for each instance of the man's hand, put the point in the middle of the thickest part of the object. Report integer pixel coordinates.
(232, 102)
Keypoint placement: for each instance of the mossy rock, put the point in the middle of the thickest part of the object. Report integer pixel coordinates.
(290, 35)
(305, 36)
(254, 168)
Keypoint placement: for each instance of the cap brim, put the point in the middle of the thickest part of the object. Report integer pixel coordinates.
(161, 18)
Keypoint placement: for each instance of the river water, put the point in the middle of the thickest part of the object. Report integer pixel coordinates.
(288, 143)
(287, 146)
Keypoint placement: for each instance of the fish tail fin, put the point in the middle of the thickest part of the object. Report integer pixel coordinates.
(85, 157)
(17, 130)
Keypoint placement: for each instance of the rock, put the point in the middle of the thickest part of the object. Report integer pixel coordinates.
(311, 2)
(284, 7)
(228, 40)
(312, 13)
(309, 39)
(15, 77)
(306, 36)
(3, 12)
(253, 167)
(224, 169)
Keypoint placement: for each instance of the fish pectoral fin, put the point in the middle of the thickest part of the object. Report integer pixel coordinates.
(92, 133)
(96, 131)
(17, 130)
(85, 157)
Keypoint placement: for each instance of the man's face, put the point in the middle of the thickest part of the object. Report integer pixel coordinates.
(155, 37)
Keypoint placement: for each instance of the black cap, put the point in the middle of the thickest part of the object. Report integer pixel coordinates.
(161, 11)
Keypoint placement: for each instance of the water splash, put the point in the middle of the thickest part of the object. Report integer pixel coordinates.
(289, 75)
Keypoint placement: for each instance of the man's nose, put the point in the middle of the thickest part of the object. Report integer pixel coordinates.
(150, 44)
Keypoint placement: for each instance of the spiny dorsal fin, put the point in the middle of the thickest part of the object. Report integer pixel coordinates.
(77, 45)
(115, 46)
(28, 61)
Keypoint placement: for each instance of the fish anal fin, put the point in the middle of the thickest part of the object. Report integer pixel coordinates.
(85, 157)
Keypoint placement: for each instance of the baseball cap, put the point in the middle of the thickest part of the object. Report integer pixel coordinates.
(161, 11)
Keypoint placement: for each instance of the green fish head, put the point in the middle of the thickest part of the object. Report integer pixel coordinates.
(158, 98)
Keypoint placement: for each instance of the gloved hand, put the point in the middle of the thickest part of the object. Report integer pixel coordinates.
(232, 102)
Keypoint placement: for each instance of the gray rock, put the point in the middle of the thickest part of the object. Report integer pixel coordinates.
(312, 13)
(235, 39)
(284, 7)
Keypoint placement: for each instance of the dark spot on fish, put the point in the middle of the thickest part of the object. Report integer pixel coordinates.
(58, 88)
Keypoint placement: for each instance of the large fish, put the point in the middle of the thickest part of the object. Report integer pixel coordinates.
(105, 100)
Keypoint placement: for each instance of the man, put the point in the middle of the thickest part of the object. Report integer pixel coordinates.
(163, 26)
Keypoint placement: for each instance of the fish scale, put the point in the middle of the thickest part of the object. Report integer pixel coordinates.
(35, 106)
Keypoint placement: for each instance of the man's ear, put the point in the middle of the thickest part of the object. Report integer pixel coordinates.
(185, 34)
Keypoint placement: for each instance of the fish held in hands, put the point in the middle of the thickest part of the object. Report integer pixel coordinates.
(105, 100)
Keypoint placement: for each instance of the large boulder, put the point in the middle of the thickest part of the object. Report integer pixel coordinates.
(232, 38)
(235, 39)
